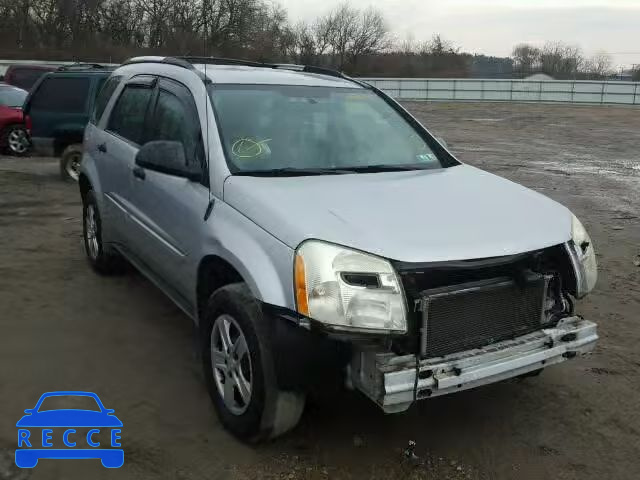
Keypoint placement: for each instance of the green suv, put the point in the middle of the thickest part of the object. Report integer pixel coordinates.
(58, 109)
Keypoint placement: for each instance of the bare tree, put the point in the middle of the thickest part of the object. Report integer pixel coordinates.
(561, 60)
(346, 37)
(437, 45)
(526, 58)
(121, 22)
(305, 43)
(345, 24)
(600, 65)
(369, 35)
(408, 46)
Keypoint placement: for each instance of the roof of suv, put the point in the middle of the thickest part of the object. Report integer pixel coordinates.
(229, 71)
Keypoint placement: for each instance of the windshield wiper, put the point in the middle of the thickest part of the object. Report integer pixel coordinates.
(293, 172)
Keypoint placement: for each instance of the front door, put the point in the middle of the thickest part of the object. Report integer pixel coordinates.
(169, 210)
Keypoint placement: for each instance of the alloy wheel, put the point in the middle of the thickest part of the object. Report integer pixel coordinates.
(18, 141)
(91, 232)
(231, 364)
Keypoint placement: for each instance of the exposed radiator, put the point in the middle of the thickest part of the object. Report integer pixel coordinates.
(476, 314)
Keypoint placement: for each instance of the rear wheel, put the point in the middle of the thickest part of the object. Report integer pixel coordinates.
(70, 162)
(239, 369)
(16, 140)
(102, 259)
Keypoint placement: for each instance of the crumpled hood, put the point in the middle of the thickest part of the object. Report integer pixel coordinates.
(456, 213)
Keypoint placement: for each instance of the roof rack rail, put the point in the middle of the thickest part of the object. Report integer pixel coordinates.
(81, 66)
(175, 61)
(284, 66)
(189, 61)
(252, 63)
(223, 61)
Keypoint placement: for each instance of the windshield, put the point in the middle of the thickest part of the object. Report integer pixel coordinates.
(315, 129)
(12, 97)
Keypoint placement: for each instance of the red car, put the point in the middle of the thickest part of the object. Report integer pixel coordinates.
(14, 133)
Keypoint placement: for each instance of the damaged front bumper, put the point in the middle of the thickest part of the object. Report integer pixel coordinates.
(395, 382)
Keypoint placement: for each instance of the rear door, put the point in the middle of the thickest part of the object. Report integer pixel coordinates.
(168, 211)
(94, 151)
(116, 148)
(58, 111)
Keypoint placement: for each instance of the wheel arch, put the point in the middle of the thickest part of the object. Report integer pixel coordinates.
(214, 272)
(65, 137)
(224, 268)
(255, 257)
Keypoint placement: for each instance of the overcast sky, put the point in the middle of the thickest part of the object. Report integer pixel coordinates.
(493, 27)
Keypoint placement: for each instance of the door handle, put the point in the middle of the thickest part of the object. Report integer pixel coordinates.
(102, 147)
(138, 172)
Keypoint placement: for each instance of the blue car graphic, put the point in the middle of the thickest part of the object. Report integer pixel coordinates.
(68, 418)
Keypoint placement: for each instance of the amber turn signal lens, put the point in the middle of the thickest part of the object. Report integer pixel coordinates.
(301, 286)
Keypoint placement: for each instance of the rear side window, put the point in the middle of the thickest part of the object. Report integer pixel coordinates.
(103, 97)
(127, 117)
(62, 95)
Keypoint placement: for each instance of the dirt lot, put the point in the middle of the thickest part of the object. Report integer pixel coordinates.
(63, 327)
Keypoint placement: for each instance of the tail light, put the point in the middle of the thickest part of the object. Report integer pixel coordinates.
(27, 123)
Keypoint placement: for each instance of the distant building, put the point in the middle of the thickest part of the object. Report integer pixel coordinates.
(539, 76)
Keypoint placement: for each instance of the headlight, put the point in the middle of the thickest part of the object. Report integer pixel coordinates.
(584, 259)
(347, 289)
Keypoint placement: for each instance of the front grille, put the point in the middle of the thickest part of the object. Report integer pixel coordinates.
(476, 314)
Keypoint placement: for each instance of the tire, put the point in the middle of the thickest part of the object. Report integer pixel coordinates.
(266, 412)
(16, 140)
(70, 162)
(102, 260)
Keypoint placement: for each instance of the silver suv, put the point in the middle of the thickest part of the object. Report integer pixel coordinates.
(308, 224)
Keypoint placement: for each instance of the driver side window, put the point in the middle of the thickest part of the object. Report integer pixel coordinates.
(175, 120)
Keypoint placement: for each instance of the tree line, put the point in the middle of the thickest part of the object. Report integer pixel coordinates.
(357, 41)
(560, 61)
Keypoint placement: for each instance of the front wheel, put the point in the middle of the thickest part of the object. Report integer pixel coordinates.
(70, 162)
(239, 368)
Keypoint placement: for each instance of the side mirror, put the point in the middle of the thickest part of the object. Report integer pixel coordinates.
(167, 157)
(29, 411)
(442, 142)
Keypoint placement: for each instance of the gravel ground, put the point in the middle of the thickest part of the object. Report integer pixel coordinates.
(62, 327)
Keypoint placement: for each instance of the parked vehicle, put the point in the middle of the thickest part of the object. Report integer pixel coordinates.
(14, 137)
(26, 76)
(58, 108)
(305, 220)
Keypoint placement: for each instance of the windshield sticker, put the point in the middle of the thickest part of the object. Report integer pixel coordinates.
(249, 147)
(427, 158)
